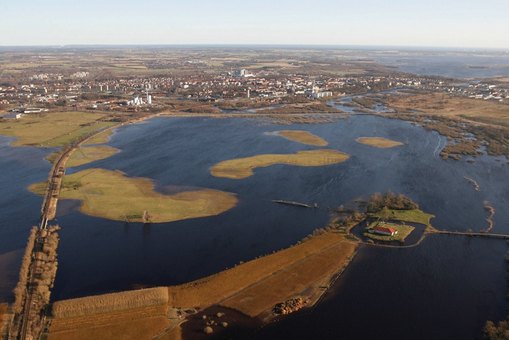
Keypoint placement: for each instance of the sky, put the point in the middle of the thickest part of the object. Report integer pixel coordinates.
(430, 23)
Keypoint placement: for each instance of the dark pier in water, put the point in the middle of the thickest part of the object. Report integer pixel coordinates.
(473, 234)
(296, 204)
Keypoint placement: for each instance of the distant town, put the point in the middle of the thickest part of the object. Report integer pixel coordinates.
(80, 91)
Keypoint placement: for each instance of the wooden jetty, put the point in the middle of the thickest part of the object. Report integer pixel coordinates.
(296, 204)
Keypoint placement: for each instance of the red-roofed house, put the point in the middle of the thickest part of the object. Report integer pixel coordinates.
(385, 231)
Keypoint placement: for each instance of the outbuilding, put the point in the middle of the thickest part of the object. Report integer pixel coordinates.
(15, 115)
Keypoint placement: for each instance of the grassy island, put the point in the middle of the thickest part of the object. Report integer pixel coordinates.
(243, 167)
(402, 231)
(303, 137)
(379, 142)
(113, 195)
(391, 211)
(52, 129)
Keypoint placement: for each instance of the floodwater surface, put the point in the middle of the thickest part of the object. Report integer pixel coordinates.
(408, 287)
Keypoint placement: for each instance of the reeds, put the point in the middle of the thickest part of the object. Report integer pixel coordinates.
(110, 302)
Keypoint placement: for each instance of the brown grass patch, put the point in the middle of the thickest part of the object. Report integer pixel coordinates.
(310, 273)
(243, 167)
(292, 270)
(252, 288)
(303, 137)
(134, 323)
(110, 302)
(3, 312)
(378, 142)
(480, 111)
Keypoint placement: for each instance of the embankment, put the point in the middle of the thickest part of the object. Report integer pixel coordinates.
(252, 288)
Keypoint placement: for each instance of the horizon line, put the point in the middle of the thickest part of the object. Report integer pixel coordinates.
(259, 45)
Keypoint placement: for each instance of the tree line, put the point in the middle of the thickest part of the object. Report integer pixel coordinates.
(390, 200)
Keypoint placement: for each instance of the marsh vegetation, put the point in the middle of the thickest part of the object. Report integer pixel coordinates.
(303, 137)
(244, 167)
(379, 142)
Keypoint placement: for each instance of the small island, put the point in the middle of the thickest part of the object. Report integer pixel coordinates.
(115, 196)
(384, 231)
(392, 218)
(379, 142)
(303, 137)
(241, 168)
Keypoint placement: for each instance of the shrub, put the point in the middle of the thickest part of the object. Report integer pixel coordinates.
(378, 202)
(20, 289)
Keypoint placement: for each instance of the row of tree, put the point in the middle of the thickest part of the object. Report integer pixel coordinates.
(20, 289)
(390, 200)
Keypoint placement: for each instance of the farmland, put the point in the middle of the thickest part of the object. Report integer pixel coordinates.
(53, 129)
(301, 270)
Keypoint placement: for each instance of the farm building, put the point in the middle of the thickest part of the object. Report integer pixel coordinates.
(387, 231)
(15, 115)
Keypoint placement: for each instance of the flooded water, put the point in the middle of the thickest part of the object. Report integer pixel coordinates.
(444, 289)
(422, 284)
(455, 64)
(19, 209)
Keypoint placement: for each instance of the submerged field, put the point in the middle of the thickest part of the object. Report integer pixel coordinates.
(244, 167)
(52, 129)
(113, 195)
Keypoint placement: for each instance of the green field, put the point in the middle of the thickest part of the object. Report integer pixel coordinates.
(415, 216)
(52, 129)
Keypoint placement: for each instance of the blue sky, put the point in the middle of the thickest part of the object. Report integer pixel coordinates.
(438, 23)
